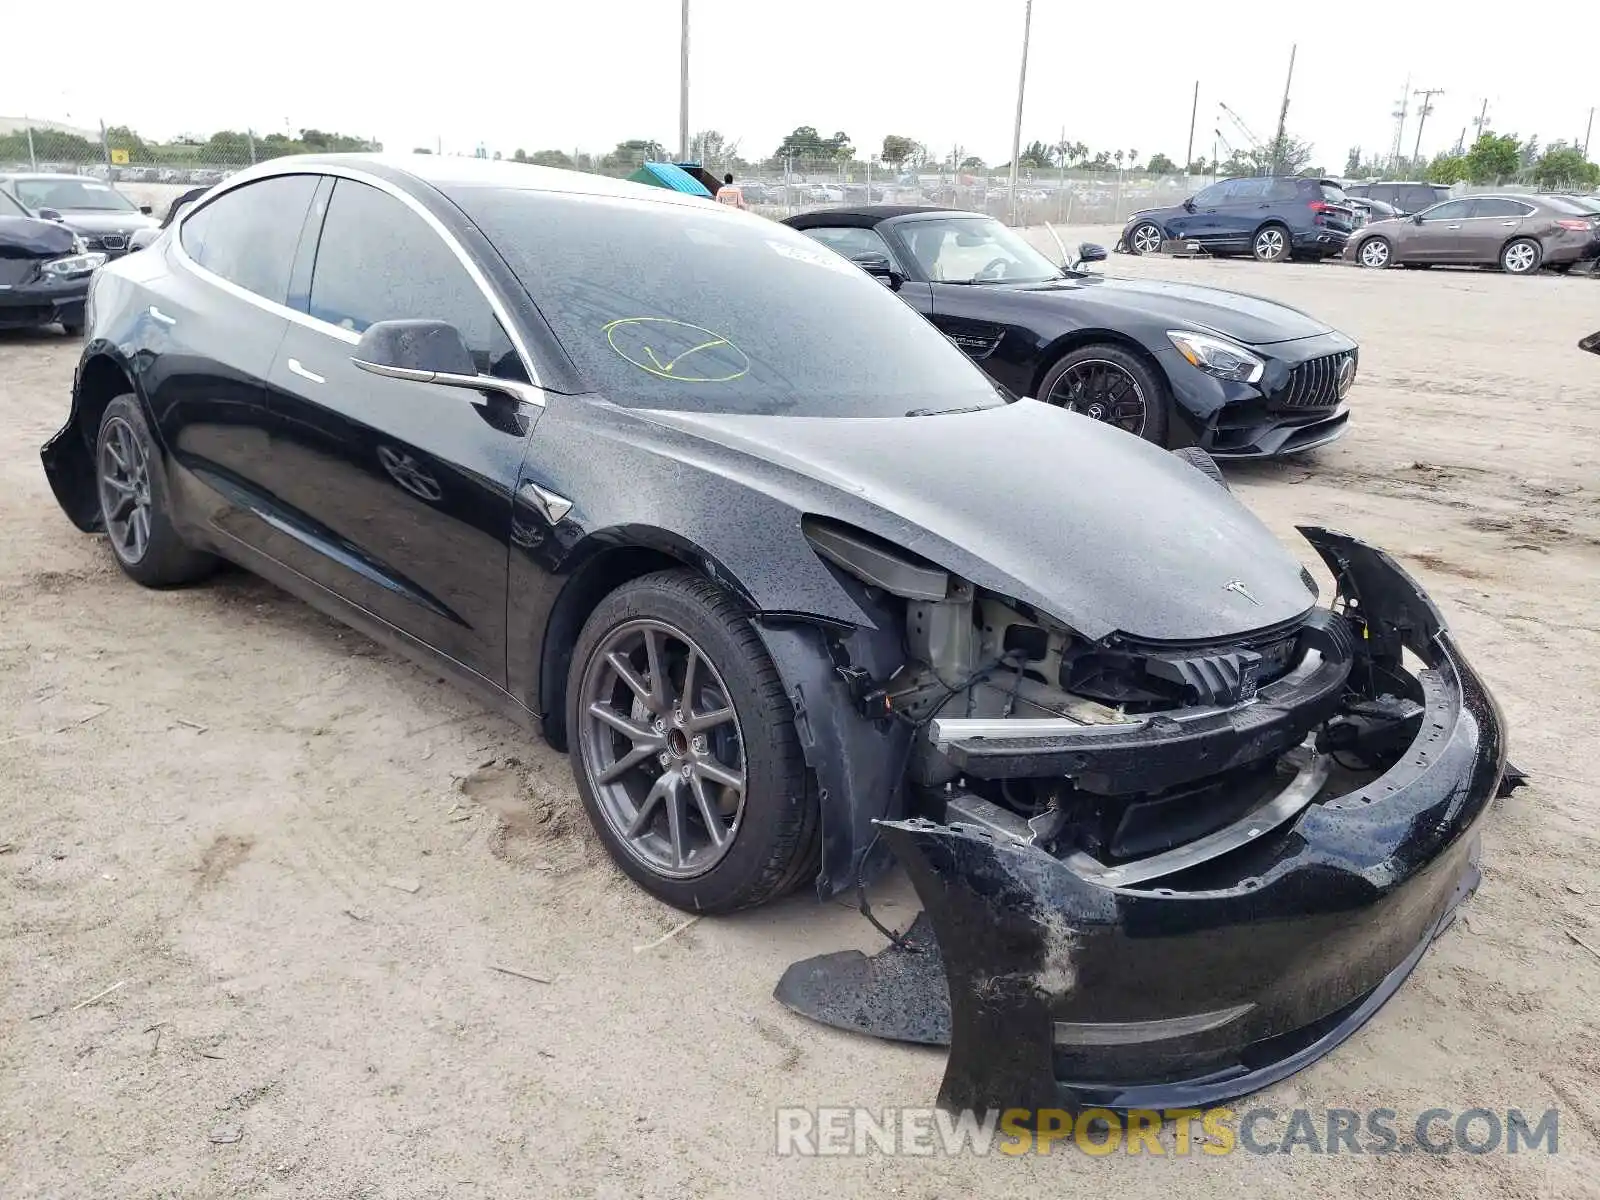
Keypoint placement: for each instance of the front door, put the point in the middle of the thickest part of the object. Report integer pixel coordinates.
(1435, 234)
(401, 492)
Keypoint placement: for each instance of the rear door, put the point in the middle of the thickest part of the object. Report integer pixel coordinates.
(400, 493)
(213, 324)
(1492, 221)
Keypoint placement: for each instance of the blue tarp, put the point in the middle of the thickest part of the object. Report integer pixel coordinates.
(669, 176)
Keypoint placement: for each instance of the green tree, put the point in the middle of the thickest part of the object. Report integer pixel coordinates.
(519, 155)
(1494, 157)
(806, 142)
(1036, 154)
(972, 163)
(1160, 164)
(896, 149)
(709, 148)
(1447, 169)
(550, 158)
(420, 150)
(1565, 166)
(633, 152)
(120, 137)
(226, 146)
(1352, 161)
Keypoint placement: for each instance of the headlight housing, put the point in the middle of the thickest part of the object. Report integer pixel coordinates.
(1217, 356)
(73, 264)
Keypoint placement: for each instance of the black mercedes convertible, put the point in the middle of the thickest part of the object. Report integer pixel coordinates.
(801, 590)
(1176, 364)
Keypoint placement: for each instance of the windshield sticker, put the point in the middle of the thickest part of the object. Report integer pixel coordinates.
(676, 350)
(817, 257)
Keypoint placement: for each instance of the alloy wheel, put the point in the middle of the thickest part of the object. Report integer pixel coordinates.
(1519, 257)
(1375, 253)
(125, 490)
(662, 748)
(1146, 239)
(1269, 245)
(1102, 391)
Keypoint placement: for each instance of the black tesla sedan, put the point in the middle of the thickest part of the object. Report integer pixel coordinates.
(1176, 364)
(794, 583)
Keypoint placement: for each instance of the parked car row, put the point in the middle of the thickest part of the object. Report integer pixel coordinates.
(794, 581)
(1275, 219)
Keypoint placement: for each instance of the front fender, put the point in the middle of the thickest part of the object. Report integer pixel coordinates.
(102, 374)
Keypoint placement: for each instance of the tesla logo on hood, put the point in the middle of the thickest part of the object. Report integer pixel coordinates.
(1237, 587)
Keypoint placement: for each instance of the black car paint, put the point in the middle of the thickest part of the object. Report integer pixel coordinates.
(28, 297)
(1017, 331)
(1298, 944)
(1223, 224)
(723, 495)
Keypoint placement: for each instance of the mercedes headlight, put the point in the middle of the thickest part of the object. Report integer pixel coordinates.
(1217, 356)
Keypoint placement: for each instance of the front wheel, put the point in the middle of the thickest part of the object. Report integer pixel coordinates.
(684, 747)
(1145, 238)
(1521, 257)
(135, 509)
(1108, 383)
(1374, 254)
(1271, 244)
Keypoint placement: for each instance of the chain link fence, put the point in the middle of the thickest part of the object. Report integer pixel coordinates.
(156, 172)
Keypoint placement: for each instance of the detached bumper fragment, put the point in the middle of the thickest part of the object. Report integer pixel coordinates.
(1209, 977)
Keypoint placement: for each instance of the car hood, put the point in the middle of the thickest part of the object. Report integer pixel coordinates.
(1102, 530)
(106, 222)
(24, 237)
(1250, 319)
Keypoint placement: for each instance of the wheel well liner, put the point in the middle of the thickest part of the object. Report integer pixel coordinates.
(69, 457)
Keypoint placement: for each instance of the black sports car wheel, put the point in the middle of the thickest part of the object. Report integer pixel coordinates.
(684, 747)
(1110, 384)
(1145, 238)
(134, 507)
(1271, 244)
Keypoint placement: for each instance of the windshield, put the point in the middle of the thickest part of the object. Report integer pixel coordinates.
(975, 250)
(71, 195)
(1332, 193)
(704, 309)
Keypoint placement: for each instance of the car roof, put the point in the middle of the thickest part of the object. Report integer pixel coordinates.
(867, 215)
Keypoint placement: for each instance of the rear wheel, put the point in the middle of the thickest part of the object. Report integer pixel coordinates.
(1108, 383)
(684, 747)
(135, 509)
(1521, 256)
(1271, 243)
(1145, 238)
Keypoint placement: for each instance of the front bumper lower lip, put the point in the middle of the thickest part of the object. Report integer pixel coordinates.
(1054, 988)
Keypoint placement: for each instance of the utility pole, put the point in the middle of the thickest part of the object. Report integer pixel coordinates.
(1399, 116)
(1481, 121)
(1283, 116)
(1587, 130)
(1423, 110)
(1022, 84)
(1188, 155)
(683, 87)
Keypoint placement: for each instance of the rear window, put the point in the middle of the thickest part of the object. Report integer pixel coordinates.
(1563, 204)
(1332, 193)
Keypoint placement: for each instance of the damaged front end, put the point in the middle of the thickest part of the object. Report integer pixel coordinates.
(1160, 876)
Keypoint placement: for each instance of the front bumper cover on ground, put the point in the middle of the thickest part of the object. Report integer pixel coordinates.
(1187, 990)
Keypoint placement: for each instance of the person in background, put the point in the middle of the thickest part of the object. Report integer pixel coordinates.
(728, 194)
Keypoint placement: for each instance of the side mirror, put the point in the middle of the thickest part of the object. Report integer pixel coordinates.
(880, 268)
(146, 209)
(1188, 205)
(1591, 343)
(1416, 218)
(49, 214)
(430, 352)
(1089, 252)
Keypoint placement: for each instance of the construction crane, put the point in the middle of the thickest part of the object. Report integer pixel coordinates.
(1238, 123)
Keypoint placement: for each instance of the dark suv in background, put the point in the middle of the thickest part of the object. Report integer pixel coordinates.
(1271, 217)
(1404, 198)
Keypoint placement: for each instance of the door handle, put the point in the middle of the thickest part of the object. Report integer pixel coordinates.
(1452, 227)
(1508, 224)
(294, 365)
(162, 317)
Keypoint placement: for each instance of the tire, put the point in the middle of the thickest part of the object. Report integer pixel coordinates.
(134, 501)
(1152, 388)
(1145, 238)
(1521, 256)
(1271, 243)
(773, 839)
(1204, 463)
(1375, 254)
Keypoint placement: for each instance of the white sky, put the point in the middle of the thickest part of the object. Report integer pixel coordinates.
(588, 73)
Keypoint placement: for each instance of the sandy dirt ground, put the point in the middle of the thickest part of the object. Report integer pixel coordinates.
(256, 873)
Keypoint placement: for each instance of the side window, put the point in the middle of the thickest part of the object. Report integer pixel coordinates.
(378, 260)
(1282, 190)
(1383, 192)
(1241, 190)
(1211, 196)
(249, 236)
(851, 241)
(1499, 206)
(1454, 210)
